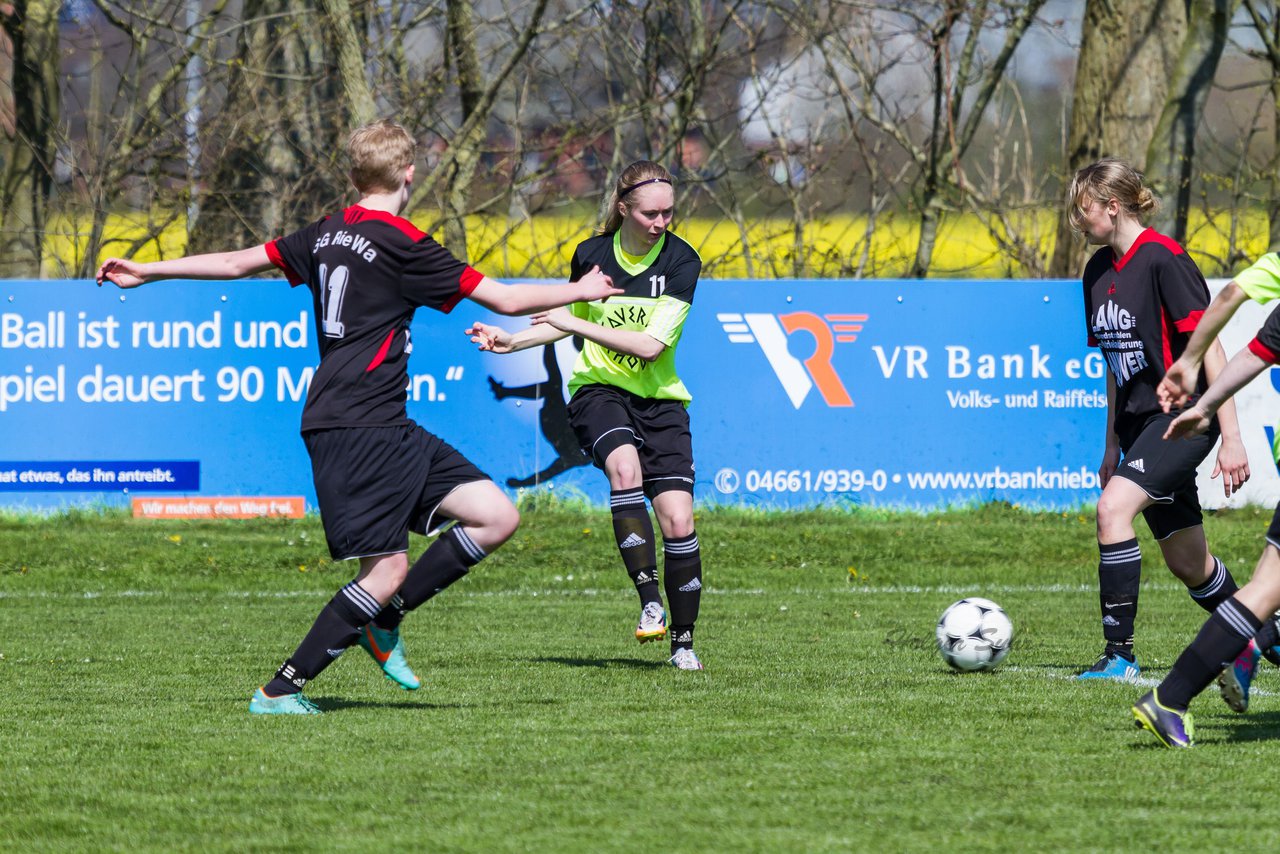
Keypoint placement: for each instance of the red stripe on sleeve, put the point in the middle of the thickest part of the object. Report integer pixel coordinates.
(381, 355)
(1166, 349)
(1189, 323)
(274, 256)
(1263, 352)
(466, 284)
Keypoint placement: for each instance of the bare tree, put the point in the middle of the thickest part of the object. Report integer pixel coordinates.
(940, 46)
(271, 143)
(1171, 155)
(351, 62)
(30, 127)
(1121, 83)
(806, 128)
(478, 93)
(1266, 22)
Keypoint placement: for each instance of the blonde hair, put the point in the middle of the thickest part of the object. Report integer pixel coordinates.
(637, 174)
(380, 152)
(1109, 178)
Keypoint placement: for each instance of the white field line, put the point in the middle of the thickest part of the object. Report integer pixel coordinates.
(1141, 681)
(852, 589)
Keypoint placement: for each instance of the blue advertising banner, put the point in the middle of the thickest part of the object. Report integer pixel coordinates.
(913, 394)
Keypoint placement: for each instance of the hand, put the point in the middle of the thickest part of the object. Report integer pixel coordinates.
(1110, 462)
(492, 339)
(1189, 423)
(1178, 384)
(1233, 464)
(560, 318)
(121, 272)
(597, 286)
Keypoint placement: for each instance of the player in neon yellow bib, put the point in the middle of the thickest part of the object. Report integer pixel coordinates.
(627, 404)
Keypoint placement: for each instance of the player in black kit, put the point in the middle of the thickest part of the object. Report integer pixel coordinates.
(627, 404)
(1227, 645)
(377, 474)
(1143, 297)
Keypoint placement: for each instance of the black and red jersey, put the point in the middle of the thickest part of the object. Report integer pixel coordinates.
(1266, 344)
(1140, 310)
(368, 271)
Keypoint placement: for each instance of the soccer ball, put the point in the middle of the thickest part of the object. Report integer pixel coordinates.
(974, 634)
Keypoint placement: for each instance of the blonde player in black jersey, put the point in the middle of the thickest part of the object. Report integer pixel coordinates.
(378, 475)
(1143, 298)
(627, 404)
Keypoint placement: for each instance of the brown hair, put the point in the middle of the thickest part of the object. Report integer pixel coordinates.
(380, 152)
(634, 176)
(1109, 178)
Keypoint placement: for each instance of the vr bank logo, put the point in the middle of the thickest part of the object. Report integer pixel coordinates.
(798, 377)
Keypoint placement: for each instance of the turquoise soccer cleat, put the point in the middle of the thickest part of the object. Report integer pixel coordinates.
(285, 704)
(386, 648)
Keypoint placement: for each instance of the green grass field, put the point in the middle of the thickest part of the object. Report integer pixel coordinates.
(825, 720)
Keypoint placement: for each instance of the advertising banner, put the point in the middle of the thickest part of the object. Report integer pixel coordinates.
(912, 394)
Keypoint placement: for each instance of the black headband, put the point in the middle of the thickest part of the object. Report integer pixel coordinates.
(641, 184)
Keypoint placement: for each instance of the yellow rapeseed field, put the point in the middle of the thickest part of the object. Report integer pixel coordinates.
(841, 246)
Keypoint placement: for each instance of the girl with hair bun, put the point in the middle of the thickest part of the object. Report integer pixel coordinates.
(627, 404)
(1143, 296)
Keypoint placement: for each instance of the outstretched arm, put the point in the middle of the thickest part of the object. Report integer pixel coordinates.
(525, 299)
(495, 339)
(126, 273)
(1238, 373)
(642, 345)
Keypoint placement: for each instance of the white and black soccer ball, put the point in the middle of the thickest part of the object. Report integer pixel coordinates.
(974, 634)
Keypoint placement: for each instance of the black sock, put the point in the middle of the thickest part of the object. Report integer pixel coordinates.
(1119, 572)
(390, 616)
(633, 532)
(1222, 637)
(1267, 637)
(1217, 589)
(449, 558)
(682, 578)
(335, 629)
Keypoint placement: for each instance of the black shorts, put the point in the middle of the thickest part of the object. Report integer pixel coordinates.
(605, 418)
(375, 484)
(1166, 471)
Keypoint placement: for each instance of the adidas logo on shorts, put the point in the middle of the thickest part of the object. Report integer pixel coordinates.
(691, 586)
(632, 541)
(1136, 465)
